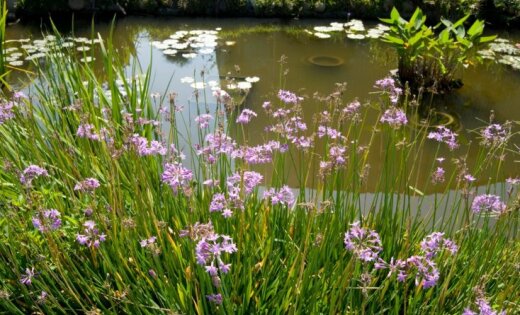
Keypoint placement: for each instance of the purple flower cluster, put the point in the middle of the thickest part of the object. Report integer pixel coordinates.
(388, 85)
(221, 96)
(495, 134)
(484, 308)
(259, 154)
(148, 242)
(215, 298)
(438, 175)
(289, 97)
(336, 160)
(351, 111)
(87, 185)
(209, 251)
(327, 131)
(6, 112)
(245, 116)
(30, 173)
(283, 196)
(47, 220)
(395, 117)
(144, 148)
(26, 278)
(91, 237)
(364, 243)
(176, 176)
(488, 203)
(432, 244)
(220, 203)
(444, 135)
(290, 128)
(425, 270)
(217, 143)
(203, 120)
(87, 131)
(251, 180)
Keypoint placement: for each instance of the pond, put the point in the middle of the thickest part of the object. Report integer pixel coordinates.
(312, 63)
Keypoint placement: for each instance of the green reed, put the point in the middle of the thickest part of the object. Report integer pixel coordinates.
(289, 259)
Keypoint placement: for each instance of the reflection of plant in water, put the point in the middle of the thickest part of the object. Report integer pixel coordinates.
(432, 60)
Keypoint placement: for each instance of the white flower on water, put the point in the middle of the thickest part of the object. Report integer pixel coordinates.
(321, 35)
(252, 79)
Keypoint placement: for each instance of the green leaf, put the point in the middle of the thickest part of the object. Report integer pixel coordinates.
(476, 29)
(394, 15)
(486, 39)
(393, 40)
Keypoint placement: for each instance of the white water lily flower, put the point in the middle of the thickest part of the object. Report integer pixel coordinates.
(188, 56)
(87, 59)
(83, 48)
(196, 45)
(206, 51)
(357, 28)
(10, 49)
(196, 32)
(67, 44)
(218, 28)
(324, 29)
(382, 27)
(16, 63)
(198, 85)
(170, 41)
(39, 42)
(322, 35)
(169, 52)
(252, 79)
(230, 43)
(243, 85)
(231, 86)
(356, 36)
(162, 46)
(187, 80)
(81, 39)
(180, 46)
(35, 56)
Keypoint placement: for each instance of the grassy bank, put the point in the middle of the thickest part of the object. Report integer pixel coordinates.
(108, 205)
(496, 12)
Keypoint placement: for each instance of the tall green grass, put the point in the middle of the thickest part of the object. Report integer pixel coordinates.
(290, 260)
(3, 20)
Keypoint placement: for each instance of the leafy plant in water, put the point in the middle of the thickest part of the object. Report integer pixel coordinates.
(431, 57)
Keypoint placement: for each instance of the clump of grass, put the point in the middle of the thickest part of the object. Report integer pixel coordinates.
(101, 212)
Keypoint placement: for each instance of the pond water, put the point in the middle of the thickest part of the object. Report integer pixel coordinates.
(253, 48)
